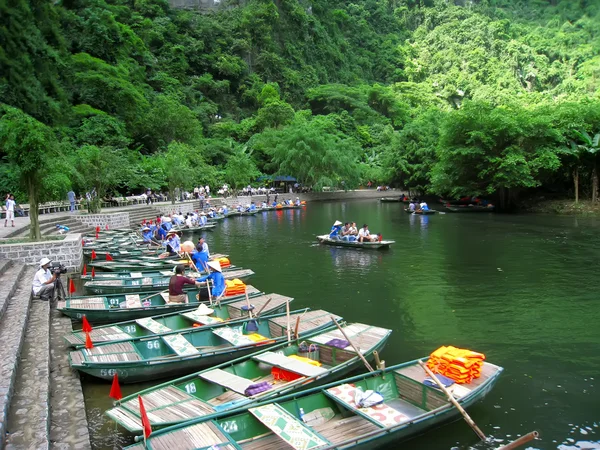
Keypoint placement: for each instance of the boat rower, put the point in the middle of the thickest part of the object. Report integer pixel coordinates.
(336, 230)
(216, 276)
(173, 243)
(423, 207)
(147, 234)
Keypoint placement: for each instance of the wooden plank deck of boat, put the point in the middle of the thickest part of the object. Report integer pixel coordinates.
(417, 373)
(362, 336)
(105, 334)
(235, 308)
(120, 352)
(200, 435)
(309, 320)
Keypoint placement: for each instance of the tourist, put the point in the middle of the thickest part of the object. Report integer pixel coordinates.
(207, 190)
(336, 230)
(71, 196)
(268, 198)
(297, 202)
(365, 235)
(412, 207)
(202, 220)
(423, 207)
(43, 281)
(346, 232)
(176, 283)
(216, 276)
(148, 196)
(353, 230)
(10, 209)
(202, 246)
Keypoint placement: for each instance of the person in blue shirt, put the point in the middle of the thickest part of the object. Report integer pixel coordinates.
(217, 278)
(336, 230)
(297, 202)
(252, 207)
(162, 232)
(202, 220)
(147, 234)
(167, 224)
(173, 243)
(423, 207)
(200, 259)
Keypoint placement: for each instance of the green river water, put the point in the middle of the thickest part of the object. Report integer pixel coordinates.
(520, 288)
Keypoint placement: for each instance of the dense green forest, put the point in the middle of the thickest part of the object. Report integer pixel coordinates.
(489, 97)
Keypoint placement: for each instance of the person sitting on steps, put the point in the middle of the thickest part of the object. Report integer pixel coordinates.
(43, 281)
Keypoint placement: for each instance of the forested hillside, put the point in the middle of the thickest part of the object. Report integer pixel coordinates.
(453, 98)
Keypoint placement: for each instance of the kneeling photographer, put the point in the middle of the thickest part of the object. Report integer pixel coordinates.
(45, 278)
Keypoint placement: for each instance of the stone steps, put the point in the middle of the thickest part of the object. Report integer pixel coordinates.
(16, 280)
(29, 413)
(9, 275)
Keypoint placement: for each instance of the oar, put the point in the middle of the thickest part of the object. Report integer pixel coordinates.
(522, 440)
(468, 419)
(297, 327)
(263, 307)
(365, 362)
(152, 295)
(287, 313)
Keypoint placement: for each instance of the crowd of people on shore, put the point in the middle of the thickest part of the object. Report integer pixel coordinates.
(348, 232)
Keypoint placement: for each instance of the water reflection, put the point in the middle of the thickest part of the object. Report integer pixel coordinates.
(345, 259)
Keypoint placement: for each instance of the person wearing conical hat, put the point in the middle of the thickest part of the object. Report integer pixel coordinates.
(336, 230)
(173, 243)
(147, 234)
(217, 278)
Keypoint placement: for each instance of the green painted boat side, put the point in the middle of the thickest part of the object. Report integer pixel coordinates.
(152, 358)
(123, 331)
(128, 275)
(345, 427)
(390, 200)
(151, 284)
(111, 311)
(324, 239)
(421, 213)
(467, 209)
(200, 390)
(207, 227)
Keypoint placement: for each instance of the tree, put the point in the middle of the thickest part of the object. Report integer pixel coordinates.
(29, 146)
(587, 149)
(240, 170)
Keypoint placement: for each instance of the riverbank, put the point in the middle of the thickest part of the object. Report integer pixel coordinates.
(561, 206)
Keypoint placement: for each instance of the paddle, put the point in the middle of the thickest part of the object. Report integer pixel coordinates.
(297, 327)
(152, 295)
(287, 313)
(454, 402)
(522, 440)
(365, 362)
(263, 307)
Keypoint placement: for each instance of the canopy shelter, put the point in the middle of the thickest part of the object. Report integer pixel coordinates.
(278, 181)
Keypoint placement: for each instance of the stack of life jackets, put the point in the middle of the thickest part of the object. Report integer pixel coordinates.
(461, 365)
(224, 262)
(286, 375)
(234, 287)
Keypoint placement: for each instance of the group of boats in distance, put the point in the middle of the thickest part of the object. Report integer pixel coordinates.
(465, 204)
(247, 371)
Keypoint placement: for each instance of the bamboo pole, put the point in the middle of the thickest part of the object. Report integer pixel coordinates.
(360, 355)
(287, 313)
(466, 416)
(378, 362)
(263, 306)
(522, 440)
(248, 302)
(297, 327)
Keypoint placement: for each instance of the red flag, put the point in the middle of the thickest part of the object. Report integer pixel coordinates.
(88, 341)
(97, 235)
(72, 287)
(106, 227)
(84, 270)
(86, 327)
(108, 257)
(145, 422)
(115, 389)
(93, 254)
(98, 229)
(93, 273)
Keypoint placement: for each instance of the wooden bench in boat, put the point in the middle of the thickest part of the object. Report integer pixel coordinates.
(152, 325)
(290, 364)
(228, 380)
(361, 335)
(233, 336)
(180, 345)
(382, 415)
(133, 301)
(201, 319)
(289, 429)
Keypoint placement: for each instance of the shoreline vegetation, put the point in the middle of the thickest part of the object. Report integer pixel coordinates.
(496, 99)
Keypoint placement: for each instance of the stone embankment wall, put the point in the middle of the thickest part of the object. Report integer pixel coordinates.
(183, 207)
(67, 251)
(113, 220)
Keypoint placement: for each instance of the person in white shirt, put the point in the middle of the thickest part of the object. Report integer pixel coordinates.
(10, 209)
(43, 281)
(364, 234)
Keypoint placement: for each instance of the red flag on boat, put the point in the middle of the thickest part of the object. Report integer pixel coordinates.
(72, 287)
(88, 341)
(93, 273)
(86, 327)
(93, 255)
(97, 235)
(84, 270)
(145, 422)
(106, 227)
(98, 229)
(108, 257)
(115, 389)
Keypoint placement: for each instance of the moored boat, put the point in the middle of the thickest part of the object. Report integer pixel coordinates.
(470, 208)
(207, 227)
(190, 318)
(325, 239)
(120, 307)
(420, 212)
(154, 283)
(391, 199)
(328, 417)
(130, 275)
(172, 354)
(215, 391)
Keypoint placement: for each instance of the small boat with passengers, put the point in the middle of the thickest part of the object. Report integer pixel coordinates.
(371, 245)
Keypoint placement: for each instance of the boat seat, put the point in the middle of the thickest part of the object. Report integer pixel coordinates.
(180, 345)
(165, 296)
(228, 380)
(289, 429)
(136, 274)
(233, 336)
(290, 364)
(382, 415)
(133, 301)
(202, 319)
(152, 325)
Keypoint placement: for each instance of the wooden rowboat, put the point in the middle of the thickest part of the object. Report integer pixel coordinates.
(207, 227)
(327, 417)
(120, 307)
(421, 212)
(144, 327)
(144, 263)
(130, 275)
(470, 208)
(144, 359)
(377, 245)
(216, 391)
(390, 200)
(152, 284)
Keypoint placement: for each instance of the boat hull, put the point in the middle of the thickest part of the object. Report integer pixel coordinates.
(357, 245)
(470, 209)
(421, 213)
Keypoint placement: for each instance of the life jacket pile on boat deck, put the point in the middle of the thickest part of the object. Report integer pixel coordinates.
(461, 365)
(224, 262)
(234, 287)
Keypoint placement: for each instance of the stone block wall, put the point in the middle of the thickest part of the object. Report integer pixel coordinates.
(113, 220)
(67, 251)
(184, 207)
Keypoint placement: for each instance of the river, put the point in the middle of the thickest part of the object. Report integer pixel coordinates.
(523, 289)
